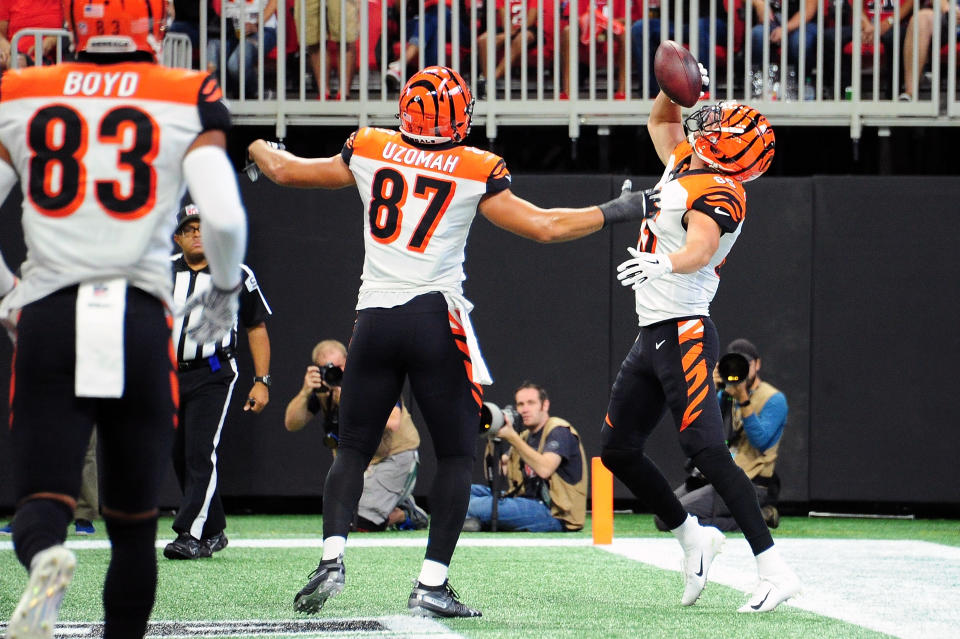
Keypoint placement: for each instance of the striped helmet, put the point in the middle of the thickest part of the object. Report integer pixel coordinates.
(102, 26)
(436, 106)
(733, 138)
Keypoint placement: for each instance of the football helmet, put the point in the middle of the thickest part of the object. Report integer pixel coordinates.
(436, 106)
(733, 138)
(112, 26)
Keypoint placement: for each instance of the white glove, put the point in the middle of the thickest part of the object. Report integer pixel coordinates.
(704, 79)
(218, 315)
(642, 268)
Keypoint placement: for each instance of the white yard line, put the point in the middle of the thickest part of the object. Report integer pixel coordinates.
(905, 588)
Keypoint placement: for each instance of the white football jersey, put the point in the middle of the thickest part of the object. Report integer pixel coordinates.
(724, 201)
(418, 206)
(98, 149)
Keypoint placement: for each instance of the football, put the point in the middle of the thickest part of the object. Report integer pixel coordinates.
(677, 73)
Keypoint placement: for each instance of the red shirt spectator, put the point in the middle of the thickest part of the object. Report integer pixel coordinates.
(29, 14)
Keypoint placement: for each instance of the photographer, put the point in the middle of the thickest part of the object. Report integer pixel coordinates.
(387, 498)
(754, 414)
(545, 469)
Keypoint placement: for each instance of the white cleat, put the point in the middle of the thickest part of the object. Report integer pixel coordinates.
(696, 563)
(771, 592)
(51, 571)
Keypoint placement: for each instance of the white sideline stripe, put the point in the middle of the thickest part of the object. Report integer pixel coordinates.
(901, 587)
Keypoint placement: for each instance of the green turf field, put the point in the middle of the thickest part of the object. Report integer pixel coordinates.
(575, 591)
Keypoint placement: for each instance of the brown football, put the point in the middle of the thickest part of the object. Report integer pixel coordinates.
(677, 73)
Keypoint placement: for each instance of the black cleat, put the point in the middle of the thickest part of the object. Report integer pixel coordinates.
(325, 582)
(216, 543)
(186, 547)
(438, 601)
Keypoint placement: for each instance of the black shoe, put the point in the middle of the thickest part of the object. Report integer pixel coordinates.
(325, 582)
(417, 518)
(471, 524)
(186, 547)
(771, 516)
(216, 543)
(438, 601)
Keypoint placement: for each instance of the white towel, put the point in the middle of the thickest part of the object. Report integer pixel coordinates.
(101, 308)
(460, 304)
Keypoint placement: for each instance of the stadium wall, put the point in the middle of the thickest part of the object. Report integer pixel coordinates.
(846, 285)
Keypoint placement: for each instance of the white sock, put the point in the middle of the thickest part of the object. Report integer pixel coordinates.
(688, 533)
(433, 573)
(333, 547)
(769, 562)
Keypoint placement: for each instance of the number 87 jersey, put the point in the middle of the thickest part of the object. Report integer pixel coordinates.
(99, 150)
(419, 202)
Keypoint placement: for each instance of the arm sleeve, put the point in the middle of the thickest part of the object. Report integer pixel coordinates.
(213, 110)
(764, 429)
(213, 185)
(499, 178)
(253, 305)
(347, 152)
(8, 179)
(723, 205)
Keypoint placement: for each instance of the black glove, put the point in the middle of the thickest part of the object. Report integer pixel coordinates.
(252, 170)
(631, 205)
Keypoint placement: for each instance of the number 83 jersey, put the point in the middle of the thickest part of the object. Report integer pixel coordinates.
(419, 203)
(717, 196)
(99, 150)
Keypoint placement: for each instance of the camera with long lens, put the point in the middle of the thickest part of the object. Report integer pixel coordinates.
(492, 418)
(331, 374)
(733, 368)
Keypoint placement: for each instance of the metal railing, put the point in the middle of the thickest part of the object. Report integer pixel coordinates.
(822, 86)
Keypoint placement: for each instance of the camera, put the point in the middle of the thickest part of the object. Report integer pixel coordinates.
(734, 369)
(332, 375)
(492, 418)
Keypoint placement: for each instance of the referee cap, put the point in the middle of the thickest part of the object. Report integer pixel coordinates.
(189, 213)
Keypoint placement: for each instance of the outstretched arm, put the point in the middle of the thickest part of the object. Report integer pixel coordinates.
(519, 216)
(286, 169)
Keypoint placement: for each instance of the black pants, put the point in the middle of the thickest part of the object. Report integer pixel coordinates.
(204, 399)
(51, 427)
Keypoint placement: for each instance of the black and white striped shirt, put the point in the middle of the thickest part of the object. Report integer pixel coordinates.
(253, 311)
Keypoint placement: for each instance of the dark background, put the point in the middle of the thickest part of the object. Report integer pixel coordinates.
(847, 285)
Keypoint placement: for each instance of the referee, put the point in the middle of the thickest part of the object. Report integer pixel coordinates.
(207, 375)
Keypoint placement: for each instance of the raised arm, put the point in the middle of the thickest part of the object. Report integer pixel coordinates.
(665, 126)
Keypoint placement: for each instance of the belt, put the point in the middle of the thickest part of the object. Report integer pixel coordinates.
(196, 364)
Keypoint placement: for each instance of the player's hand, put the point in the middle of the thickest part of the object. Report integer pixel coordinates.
(642, 268)
(704, 79)
(257, 398)
(251, 169)
(630, 205)
(218, 315)
(313, 380)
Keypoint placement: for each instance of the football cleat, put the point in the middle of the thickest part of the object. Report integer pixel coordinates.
(771, 592)
(696, 563)
(438, 601)
(324, 582)
(51, 571)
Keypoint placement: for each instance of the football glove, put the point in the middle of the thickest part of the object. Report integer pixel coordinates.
(252, 170)
(218, 315)
(642, 268)
(704, 79)
(630, 205)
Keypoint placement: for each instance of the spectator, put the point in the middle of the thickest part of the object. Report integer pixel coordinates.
(546, 472)
(754, 415)
(798, 12)
(308, 24)
(601, 17)
(522, 36)
(387, 498)
(16, 15)
(869, 35)
(185, 19)
(920, 35)
(244, 17)
(655, 33)
(397, 70)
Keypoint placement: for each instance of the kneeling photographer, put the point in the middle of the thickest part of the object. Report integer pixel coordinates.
(387, 498)
(754, 415)
(545, 469)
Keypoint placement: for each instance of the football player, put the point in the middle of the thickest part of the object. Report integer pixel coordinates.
(701, 204)
(104, 149)
(421, 189)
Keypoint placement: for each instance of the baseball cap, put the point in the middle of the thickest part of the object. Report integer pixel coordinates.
(745, 348)
(189, 213)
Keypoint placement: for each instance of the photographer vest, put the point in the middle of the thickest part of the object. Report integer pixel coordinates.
(403, 439)
(753, 462)
(568, 502)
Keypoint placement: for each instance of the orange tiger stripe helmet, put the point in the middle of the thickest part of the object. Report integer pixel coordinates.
(733, 138)
(436, 106)
(116, 26)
